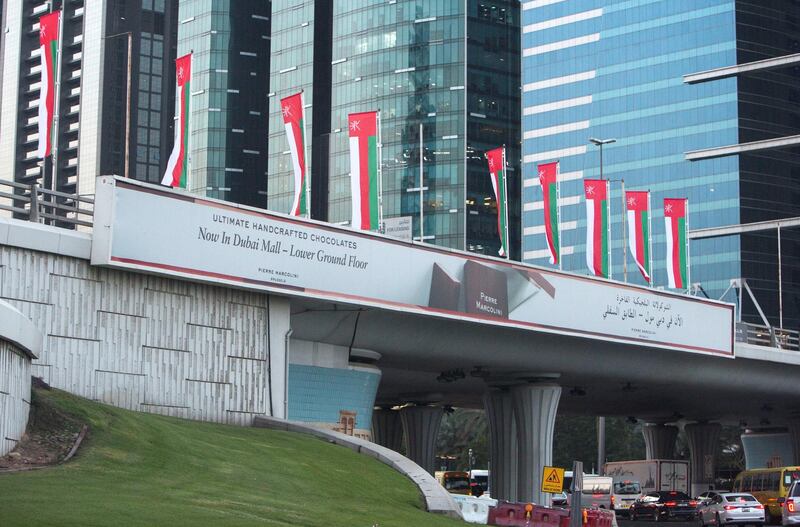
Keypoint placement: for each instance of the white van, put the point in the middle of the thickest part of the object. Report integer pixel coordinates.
(623, 494)
(596, 490)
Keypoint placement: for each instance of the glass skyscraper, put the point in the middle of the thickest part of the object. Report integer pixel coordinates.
(230, 42)
(614, 69)
(93, 96)
(452, 67)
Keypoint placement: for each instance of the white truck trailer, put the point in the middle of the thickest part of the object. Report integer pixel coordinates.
(652, 474)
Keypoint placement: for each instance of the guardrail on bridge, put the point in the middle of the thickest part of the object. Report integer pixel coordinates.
(40, 205)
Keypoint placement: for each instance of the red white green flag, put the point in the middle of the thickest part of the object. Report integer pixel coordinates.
(365, 170)
(638, 207)
(49, 50)
(294, 120)
(177, 173)
(548, 178)
(676, 219)
(598, 226)
(497, 171)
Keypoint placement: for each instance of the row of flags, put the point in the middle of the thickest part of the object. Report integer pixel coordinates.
(365, 176)
(638, 214)
(365, 163)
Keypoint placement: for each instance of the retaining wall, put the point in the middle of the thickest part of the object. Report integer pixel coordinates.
(19, 343)
(143, 342)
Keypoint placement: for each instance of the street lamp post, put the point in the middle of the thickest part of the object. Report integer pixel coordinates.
(600, 143)
(601, 421)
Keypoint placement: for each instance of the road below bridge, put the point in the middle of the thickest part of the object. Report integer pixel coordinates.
(650, 523)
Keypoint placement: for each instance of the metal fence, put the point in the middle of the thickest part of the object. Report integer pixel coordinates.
(33, 203)
(759, 335)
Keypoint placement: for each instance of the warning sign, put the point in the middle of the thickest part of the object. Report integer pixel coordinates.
(552, 480)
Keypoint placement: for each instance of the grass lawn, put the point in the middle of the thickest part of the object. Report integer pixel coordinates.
(142, 469)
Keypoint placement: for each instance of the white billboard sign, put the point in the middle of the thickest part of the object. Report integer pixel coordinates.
(399, 228)
(144, 227)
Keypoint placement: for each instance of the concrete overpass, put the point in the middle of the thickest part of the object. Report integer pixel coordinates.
(202, 309)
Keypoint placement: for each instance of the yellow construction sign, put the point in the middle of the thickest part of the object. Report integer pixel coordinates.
(552, 480)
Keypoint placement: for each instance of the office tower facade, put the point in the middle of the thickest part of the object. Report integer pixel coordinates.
(451, 67)
(92, 97)
(614, 70)
(230, 43)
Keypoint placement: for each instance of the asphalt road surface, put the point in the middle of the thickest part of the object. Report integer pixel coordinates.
(650, 523)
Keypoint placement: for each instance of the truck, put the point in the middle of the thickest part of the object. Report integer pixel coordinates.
(652, 474)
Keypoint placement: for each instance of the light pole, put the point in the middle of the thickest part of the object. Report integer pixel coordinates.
(600, 143)
(127, 101)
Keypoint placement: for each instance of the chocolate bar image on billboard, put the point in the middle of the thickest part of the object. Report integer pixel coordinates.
(485, 290)
(524, 285)
(445, 290)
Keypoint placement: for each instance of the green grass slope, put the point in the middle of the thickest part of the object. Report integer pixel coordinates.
(141, 469)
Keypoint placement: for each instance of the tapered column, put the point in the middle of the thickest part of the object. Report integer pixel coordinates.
(703, 441)
(659, 441)
(421, 426)
(503, 455)
(535, 407)
(794, 435)
(387, 428)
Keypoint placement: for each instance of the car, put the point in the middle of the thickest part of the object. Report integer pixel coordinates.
(731, 508)
(790, 505)
(708, 495)
(664, 505)
(560, 500)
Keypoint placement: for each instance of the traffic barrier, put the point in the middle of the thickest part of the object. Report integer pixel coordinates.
(526, 515)
(598, 518)
(473, 509)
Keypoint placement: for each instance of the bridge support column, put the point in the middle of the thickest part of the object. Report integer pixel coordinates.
(535, 407)
(794, 435)
(387, 428)
(502, 444)
(703, 441)
(421, 426)
(659, 440)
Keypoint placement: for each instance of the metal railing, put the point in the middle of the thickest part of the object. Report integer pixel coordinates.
(759, 335)
(33, 203)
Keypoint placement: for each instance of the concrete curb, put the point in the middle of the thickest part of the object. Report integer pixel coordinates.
(437, 500)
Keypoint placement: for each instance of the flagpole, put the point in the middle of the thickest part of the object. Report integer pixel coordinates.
(558, 213)
(507, 248)
(650, 239)
(57, 105)
(608, 228)
(189, 121)
(688, 259)
(624, 234)
(380, 174)
(306, 175)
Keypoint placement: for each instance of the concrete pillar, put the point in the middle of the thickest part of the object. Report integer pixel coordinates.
(659, 440)
(703, 441)
(387, 428)
(794, 434)
(535, 407)
(502, 444)
(421, 426)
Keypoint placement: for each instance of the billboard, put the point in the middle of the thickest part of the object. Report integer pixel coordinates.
(144, 227)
